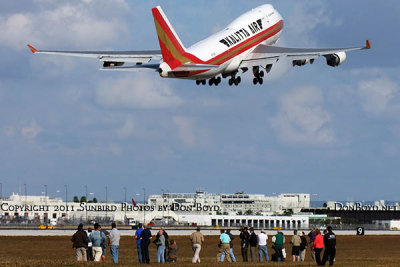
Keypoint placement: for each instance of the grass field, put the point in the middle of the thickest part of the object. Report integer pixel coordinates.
(57, 251)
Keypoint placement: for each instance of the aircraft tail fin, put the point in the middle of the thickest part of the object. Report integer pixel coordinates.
(172, 49)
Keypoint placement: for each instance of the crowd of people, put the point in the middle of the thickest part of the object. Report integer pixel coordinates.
(92, 245)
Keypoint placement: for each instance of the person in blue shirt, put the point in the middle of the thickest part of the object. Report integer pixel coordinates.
(98, 239)
(228, 232)
(137, 237)
(224, 246)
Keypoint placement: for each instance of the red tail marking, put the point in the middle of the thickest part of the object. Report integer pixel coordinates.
(134, 202)
(368, 46)
(34, 50)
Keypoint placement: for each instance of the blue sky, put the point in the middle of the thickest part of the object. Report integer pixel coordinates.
(314, 129)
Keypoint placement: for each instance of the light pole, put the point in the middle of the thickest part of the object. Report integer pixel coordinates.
(66, 201)
(1, 190)
(106, 201)
(168, 204)
(45, 199)
(125, 203)
(26, 197)
(86, 195)
(163, 203)
(144, 206)
(26, 193)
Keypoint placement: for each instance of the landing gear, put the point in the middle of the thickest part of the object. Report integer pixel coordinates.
(234, 80)
(213, 81)
(202, 82)
(258, 75)
(258, 80)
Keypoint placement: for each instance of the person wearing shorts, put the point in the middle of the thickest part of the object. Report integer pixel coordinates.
(296, 242)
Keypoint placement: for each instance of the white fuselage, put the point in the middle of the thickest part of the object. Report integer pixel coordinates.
(230, 46)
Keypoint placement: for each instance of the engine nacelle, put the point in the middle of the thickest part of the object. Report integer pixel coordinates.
(335, 60)
(163, 69)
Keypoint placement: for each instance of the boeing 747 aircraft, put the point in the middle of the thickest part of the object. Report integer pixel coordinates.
(246, 43)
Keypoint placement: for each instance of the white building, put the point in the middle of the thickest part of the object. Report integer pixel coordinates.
(238, 203)
(185, 209)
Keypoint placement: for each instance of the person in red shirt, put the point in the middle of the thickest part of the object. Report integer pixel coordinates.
(318, 246)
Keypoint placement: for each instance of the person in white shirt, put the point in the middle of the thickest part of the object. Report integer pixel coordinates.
(262, 246)
(113, 242)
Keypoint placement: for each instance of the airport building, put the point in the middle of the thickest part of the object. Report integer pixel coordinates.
(238, 203)
(200, 208)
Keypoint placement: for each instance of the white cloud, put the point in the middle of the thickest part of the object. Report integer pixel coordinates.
(70, 24)
(127, 130)
(138, 92)
(302, 119)
(186, 130)
(307, 16)
(31, 131)
(378, 96)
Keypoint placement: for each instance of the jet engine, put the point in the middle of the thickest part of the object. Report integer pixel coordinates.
(335, 60)
(164, 69)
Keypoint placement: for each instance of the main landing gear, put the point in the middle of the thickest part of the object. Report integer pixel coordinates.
(234, 80)
(203, 82)
(213, 81)
(258, 75)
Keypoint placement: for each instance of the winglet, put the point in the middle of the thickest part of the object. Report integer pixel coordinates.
(368, 45)
(34, 50)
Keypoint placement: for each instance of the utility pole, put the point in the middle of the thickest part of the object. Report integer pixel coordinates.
(106, 201)
(86, 195)
(125, 203)
(1, 191)
(45, 199)
(144, 206)
(26, 193)
(163, 202)
(66, 201)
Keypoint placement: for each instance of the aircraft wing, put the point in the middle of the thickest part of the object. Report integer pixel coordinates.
(107, 56)
(266, 55)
